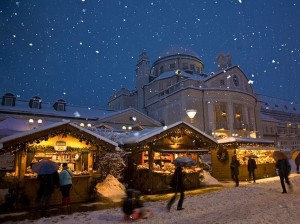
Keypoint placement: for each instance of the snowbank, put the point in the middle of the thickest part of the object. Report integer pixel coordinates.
(111, 189)
(209, 180)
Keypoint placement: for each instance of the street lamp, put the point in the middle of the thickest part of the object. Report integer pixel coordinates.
(191, 114)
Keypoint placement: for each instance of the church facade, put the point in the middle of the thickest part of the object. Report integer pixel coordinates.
(222, 103)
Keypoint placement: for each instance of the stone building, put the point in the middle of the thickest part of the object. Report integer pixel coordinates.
(221, 103)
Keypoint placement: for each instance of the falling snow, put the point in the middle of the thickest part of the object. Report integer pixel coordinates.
(88, 49)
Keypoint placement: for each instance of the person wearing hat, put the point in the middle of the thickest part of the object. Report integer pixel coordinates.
(65, 179)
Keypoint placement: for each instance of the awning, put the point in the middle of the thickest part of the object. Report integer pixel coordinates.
(181, 150)
(257, 148)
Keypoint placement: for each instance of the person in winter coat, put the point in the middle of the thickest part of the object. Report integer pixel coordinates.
(65, 179)
(251, 168)
(297, 162)
(234, 168)
(284, 169)
(177, 184)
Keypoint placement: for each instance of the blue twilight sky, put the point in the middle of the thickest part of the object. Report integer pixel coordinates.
(84, 50)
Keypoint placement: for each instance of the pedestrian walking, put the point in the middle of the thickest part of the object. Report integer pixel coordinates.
(234, 168)
(251, 168)
(177, 185)
(65, 179)
(297, 162)
(284, 168)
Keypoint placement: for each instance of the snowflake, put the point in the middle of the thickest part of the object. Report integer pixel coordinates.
(76, 114)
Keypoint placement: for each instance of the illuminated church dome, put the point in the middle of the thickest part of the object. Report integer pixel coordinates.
(177, 58)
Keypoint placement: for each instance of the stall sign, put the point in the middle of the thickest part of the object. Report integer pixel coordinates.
(60, 146)
(7, 161)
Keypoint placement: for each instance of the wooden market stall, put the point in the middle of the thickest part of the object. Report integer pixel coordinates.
(61, 142)
(150, 163)
(260, 149)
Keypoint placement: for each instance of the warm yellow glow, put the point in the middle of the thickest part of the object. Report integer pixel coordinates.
(223, 113)
(71, 141)
(40, 121)
(191, 113)
(89, 125)
(81, 124)
(30, 120)
(129, 128)
(237, 115)
(124, 128)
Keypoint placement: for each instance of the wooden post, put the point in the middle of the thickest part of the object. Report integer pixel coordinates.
(150, 152)
(22, 167)
(90, 162)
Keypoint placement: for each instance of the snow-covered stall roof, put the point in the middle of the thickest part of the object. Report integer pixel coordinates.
(137, 137)
(23, 137)
(250, 143)
(244, 140)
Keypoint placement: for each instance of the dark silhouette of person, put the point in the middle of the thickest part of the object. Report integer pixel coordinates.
(48, 182)
(234, 168)
(284, 169)
(177, 185)
(251, 168)
(297, 162)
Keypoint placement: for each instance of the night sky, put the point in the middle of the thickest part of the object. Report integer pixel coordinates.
(84, 50)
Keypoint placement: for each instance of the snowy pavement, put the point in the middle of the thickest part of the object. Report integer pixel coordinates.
(250, 203)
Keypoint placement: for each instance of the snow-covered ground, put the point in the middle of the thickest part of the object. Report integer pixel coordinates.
(262, 202)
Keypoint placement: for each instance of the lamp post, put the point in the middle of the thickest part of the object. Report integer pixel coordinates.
(191, 114)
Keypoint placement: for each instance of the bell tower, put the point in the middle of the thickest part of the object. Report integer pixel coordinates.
(142, 78)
